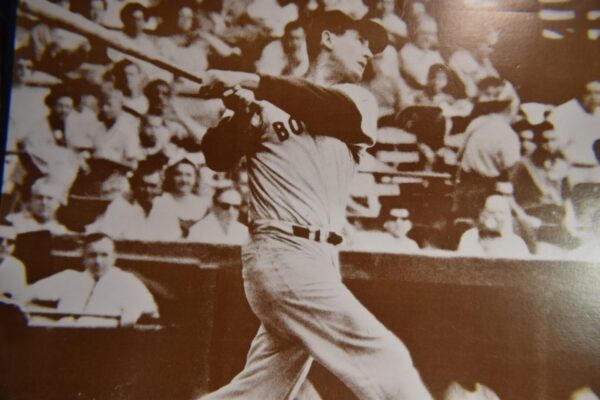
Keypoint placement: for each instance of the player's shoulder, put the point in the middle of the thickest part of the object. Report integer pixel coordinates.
(361, 96)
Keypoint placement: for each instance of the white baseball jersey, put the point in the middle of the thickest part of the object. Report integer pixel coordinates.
(303, 178)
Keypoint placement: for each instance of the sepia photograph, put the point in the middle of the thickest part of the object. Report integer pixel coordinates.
(300, 199)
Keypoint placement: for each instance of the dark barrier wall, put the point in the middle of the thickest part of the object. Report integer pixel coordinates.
(527, 329)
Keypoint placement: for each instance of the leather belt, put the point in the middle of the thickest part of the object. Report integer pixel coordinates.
(310, 233)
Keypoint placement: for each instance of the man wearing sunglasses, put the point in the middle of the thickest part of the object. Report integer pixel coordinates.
(221, 224)
(13, 275)
(302, 143)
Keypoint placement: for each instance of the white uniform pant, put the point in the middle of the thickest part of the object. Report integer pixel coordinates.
(294, 287)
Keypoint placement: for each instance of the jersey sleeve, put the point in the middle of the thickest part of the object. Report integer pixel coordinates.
(367, 107)
(346, 111)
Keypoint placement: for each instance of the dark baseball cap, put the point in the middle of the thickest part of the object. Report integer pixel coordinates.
(338, 22)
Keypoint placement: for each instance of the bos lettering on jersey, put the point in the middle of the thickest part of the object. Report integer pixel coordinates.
(283, 129)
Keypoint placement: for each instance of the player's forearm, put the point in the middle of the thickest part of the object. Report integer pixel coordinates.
(324, 110)
(223, 145)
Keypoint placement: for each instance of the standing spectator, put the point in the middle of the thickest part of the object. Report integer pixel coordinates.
(105, 293)
(493, 234)
(147, 216)
(39, 213)
(221, 225)
(576, 123)
(129, 79)
(490, 150)
(13, 275)
(182, 182)
(417, 56)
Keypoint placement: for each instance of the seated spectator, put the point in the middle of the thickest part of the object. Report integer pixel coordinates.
(100, 295)
(129, 79)
(286, 56)
(50, 144)
(491, 148)
(147, 216)
(539, 179)
(134, 17)
(221, 224)
(120, 143)
(155, 139)
(13, 275)
(438, 93)
(40, 211)
(576, 123)
(497, 89)
(473, 65)
(96, 12)
(493, 234)
(181, 185)
(590, 249)
(184, 130)
(391, 238)
(394, 25)
(417, 56)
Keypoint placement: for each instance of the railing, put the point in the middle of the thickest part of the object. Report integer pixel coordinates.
(526, 328)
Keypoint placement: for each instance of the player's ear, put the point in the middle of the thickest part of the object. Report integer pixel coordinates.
(327, 40)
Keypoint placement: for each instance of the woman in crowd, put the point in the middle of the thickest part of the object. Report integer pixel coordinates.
(181, 186)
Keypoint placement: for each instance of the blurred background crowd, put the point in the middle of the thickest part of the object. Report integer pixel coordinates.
(100, 141)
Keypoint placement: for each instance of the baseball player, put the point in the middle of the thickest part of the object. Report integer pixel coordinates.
(302, 139)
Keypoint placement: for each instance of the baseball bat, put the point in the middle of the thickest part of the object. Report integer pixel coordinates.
(67, 20)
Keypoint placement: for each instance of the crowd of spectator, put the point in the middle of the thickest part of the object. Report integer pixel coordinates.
(100, 141)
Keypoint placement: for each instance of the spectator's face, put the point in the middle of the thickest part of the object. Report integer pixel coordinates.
(440, 81)
(486, 48)
(184, 178)
(388, 6)
(591, 99)
(98, 257)
(153, 130)
(551, 141)
(97, 10)
(227, 206)
(44, 203)
(133, 77)
(23, 69)
(7, 246)
(295, 40)
(149, 187)
(89, 102)
(496, 215)
(350, 53)
(161, 96)
(139, 21)
(185, 19)
(491, 93)
(398, 227)
(427, 36)
(63, 107)
(113, 106)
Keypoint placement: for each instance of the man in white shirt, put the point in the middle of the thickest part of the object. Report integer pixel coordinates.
(101, 295)
(221, 224)
(40, 211)
(13, 275)
(147, 216)
(493, 236)
(577, 123)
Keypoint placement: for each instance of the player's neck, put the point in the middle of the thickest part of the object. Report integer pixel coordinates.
(322, 72)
